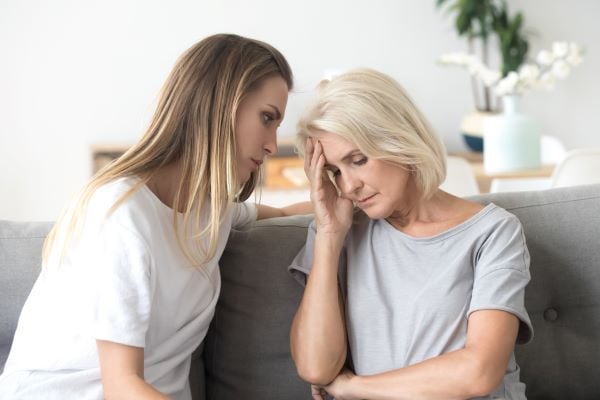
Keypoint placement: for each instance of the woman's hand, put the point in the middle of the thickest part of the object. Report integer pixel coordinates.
(333, 214)
(340, 387)
(317, 393)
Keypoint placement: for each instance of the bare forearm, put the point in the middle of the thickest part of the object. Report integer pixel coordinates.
(298, 208)
(318, 335)
(456, 375)
(264, 212)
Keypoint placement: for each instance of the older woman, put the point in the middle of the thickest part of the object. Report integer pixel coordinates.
(425, 290)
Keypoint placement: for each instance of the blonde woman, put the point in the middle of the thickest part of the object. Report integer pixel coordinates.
(130, 279)
(425, 289)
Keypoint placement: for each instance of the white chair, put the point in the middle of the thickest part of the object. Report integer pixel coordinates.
(552, 150)
(460, 178)
(579, 167)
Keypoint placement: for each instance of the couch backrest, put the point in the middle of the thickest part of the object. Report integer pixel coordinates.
(248, 340)
(246, 350)
(562, 229)
(20, 258)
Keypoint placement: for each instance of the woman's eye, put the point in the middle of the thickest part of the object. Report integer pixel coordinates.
(267, 118)
(360, 161)
(337, 172)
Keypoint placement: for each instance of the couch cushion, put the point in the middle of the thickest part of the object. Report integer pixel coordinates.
(20, 260)
(563, 298)
(247, 354)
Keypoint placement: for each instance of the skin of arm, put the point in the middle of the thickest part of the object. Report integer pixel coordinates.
(122, 371)
(318, 335)
(473, 371)
(264, 211)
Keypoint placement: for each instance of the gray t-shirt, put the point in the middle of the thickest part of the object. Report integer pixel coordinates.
(408, 299)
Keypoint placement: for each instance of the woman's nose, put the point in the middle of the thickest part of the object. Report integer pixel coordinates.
(270, 146)
(349, 184)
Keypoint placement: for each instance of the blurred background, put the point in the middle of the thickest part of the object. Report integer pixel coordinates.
(78, 74)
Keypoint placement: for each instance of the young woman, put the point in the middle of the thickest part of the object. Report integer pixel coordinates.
(425, 289)
(130, 279)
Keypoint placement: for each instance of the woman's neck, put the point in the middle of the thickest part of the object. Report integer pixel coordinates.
(165, 182)
(437, 214)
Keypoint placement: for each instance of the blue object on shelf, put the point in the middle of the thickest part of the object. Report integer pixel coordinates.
(473, 142)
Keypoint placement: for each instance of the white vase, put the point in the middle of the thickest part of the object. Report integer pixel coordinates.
(511, 139)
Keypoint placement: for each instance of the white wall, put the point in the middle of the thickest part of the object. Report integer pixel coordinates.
(78, 72)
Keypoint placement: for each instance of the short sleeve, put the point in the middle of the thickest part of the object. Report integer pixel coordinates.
(302, 263)
(243, 213)
(122, 295)
(502, 273)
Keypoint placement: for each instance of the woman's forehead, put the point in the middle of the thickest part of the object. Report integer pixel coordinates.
(335, 147)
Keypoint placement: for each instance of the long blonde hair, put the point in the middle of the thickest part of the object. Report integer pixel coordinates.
(194, 125)
(371, 110)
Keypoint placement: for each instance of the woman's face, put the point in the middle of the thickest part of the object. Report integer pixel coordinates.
(378, 187)
(259, 115)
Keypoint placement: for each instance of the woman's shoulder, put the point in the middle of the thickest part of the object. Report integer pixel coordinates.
(123, 202)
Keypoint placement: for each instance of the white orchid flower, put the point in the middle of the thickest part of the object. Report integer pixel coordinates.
(547, 81)
(575, 56)
(545, 57)
(561, 69)
(560, 49)
(543, 72)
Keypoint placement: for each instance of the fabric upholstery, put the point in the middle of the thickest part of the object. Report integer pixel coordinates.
(20, 260)
(246, 354)
(563, 298)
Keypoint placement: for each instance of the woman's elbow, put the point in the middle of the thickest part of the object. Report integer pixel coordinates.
(315, 375)
(485, 380)
(316, 370)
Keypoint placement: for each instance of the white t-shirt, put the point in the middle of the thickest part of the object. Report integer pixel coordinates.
(125, 280)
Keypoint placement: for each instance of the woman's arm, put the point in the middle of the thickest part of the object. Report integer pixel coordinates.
(264, 211)
(122, 370)
(474, 371)
(318, 334)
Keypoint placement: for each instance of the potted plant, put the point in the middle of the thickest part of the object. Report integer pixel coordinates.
(488, 21)
(480, 22)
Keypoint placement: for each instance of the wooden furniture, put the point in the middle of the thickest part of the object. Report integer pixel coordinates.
(104, 153)
(286, 170)
(484, 180)
(281, 172)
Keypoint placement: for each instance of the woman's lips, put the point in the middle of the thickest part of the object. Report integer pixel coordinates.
(365, 200)
(256, 163)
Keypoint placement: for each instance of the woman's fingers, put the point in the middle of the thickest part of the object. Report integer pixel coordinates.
(316, 154)
(317, 393)
(310, 148)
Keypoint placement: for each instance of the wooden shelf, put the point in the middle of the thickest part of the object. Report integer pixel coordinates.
(484, 180)
(283, 171)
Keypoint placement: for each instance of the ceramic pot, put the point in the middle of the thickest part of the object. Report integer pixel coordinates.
(511, 139)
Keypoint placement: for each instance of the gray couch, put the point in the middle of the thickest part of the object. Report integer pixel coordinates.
(246, 354)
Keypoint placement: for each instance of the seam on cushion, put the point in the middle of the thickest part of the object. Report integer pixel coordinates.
(283, 225)
(552, 203)
(22, 237)
(270, 227)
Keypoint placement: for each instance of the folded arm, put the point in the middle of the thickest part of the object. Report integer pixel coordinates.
(122, 370)
(473, 371)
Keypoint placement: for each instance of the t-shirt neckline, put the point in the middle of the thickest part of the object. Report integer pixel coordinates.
(442, 235)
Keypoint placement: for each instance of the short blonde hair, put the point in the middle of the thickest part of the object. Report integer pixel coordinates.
(372, 111)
